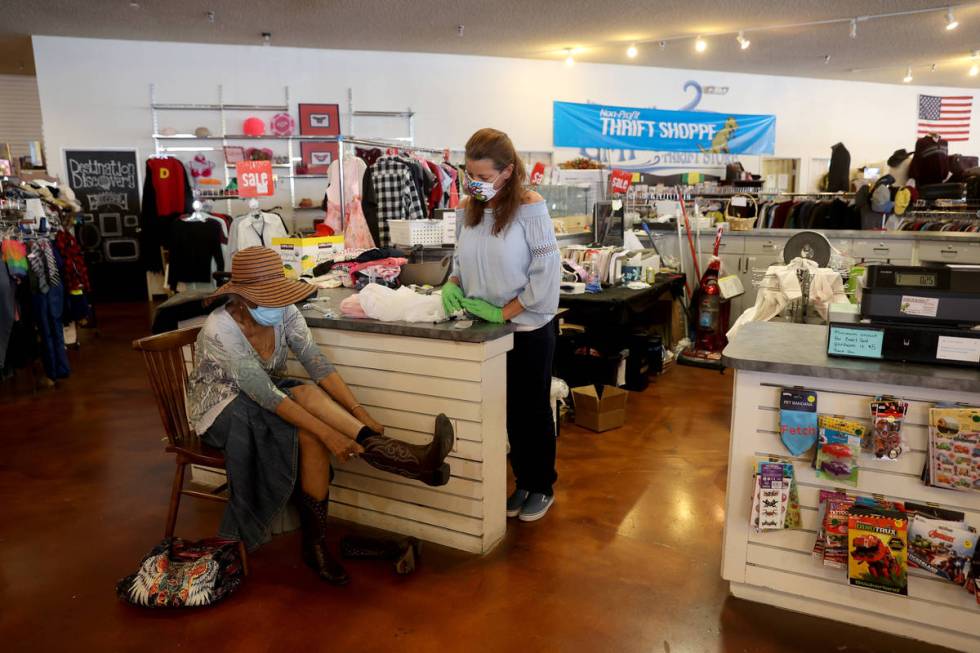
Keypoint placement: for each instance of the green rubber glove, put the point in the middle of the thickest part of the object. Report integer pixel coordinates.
(484, 310)
(451, 297)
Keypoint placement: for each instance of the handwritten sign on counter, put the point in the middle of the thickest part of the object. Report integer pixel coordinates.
(859, 343)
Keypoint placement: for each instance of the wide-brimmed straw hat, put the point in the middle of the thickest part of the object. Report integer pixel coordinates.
(258, 276)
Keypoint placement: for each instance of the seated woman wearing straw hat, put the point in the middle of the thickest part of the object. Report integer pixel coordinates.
(273, 429)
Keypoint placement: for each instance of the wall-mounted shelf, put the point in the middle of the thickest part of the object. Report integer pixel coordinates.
(219, 107)
(231, 166)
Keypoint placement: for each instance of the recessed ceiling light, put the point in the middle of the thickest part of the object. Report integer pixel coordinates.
(631, 52)
(951, 22)
(700, 44)
(743, 42)
(908, 75)
(134, 5)
(569, 59)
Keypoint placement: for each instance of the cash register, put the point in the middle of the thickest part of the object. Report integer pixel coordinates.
(920, 314)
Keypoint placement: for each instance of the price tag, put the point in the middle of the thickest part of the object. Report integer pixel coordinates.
(537, 174)
(254, 178)
(739, 200)
(620, 180)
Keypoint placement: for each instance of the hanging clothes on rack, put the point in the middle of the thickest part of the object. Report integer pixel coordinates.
(47, 299)
(76, 279)
(930, 163)
(354, 226)
(195, 250)
(394, 185)
(256, 229)
(166, 196)
(7, 310)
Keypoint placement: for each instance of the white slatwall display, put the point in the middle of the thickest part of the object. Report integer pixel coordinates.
(20, 113)
(778, 568)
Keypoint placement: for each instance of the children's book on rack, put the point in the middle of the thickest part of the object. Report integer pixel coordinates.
(878, 549)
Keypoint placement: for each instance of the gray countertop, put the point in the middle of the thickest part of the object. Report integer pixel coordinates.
(478, 332)
(837, 234)
(801, 349)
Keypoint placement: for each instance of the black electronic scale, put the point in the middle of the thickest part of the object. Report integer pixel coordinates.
(922, 314)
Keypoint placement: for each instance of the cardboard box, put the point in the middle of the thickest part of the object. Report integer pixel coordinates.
(300, 255)
(600, 408)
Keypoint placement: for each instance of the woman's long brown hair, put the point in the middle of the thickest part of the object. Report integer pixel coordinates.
(496, 145)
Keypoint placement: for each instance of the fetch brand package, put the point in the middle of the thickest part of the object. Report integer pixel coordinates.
(300, 255)
(798, 419)
(943, 548)
(877, 543)
(954, 448)
(838, 448)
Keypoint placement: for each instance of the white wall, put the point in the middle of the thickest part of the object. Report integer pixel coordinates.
(20, 113)
(96, 93)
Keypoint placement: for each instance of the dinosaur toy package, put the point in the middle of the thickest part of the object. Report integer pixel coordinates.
(877, 550)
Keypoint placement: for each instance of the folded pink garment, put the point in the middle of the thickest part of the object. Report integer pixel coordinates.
(351, 307)
(352, 267)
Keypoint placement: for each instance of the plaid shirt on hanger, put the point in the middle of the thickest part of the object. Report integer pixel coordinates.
(397, 195)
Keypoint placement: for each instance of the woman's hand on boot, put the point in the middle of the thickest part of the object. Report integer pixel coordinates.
(343, 448)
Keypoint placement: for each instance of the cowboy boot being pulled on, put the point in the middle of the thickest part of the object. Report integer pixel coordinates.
(415, 461)
(405, 553)
(316, 554)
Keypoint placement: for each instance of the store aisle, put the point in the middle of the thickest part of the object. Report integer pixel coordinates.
(627, 560)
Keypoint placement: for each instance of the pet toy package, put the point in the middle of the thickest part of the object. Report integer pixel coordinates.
(877, 550)
(954, 448)
(838, 448)
(943, 548)
(798, 419)
(887, 415)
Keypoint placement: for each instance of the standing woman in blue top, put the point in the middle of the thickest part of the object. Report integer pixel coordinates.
(507, 269)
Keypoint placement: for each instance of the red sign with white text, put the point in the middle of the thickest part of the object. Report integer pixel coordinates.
(254, 178)
(537, 174)
(620, 180)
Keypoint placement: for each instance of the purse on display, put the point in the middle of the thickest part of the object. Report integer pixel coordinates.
(181, 574)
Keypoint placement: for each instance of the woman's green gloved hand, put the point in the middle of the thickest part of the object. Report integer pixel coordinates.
(484, 310)
(452, 295)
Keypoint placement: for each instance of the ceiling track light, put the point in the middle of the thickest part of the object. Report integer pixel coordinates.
(854, 28)
(631, 51)
(908, 75)
(743, 42)
(266, 38)
(663, 45)
(700, 44)
(459, 30)
(211, 17)
(951, 22)
(826, 59)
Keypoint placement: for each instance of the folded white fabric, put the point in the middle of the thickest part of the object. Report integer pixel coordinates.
(402, 305)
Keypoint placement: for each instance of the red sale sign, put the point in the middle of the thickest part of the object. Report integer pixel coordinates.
(254, 178)
(537, 174)
(620, 180)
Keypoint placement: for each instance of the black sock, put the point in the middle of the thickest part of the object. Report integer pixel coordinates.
(364, 434)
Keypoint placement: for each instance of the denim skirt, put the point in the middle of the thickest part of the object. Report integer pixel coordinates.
(262, 456)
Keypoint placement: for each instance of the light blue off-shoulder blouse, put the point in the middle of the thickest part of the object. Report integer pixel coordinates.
(522, 261)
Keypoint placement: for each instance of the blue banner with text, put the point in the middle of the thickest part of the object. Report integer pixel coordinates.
(625, 128)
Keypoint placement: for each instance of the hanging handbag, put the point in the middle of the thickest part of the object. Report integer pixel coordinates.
(179, 574)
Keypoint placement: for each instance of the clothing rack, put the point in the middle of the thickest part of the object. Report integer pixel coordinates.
(818, 194)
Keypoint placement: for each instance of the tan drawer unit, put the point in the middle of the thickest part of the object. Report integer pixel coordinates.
(771, 246)
(949, 252)
(882, 249)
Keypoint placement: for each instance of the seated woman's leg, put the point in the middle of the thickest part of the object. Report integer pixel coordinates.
(313, 500)
(323, 407)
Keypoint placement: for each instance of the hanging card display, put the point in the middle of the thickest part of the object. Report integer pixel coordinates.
(798, 419)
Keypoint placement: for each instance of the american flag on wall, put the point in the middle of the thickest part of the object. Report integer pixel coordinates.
(946, 115)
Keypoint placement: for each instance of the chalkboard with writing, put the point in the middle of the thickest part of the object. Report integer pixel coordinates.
(106, 182)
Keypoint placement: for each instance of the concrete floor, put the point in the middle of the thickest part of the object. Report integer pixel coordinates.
(627, 560)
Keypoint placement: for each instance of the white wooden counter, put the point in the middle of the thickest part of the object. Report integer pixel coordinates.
(777, 567)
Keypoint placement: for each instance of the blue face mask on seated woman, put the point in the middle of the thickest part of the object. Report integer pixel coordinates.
(267, 316)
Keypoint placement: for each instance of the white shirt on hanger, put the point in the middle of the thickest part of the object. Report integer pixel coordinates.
(249, 231)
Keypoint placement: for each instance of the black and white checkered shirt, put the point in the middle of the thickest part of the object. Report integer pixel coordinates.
(398, 197)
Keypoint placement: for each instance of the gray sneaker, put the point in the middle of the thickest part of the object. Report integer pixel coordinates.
(516, 501)
(536, 506)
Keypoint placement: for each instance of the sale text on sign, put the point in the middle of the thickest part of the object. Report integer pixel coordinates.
(254, 178)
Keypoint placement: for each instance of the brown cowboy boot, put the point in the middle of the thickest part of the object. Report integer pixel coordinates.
(316, 554)
(415, 461)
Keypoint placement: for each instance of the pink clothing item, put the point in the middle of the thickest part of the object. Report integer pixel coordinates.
(357, 235)
(351, 307)
(353, 174)
(352, 267)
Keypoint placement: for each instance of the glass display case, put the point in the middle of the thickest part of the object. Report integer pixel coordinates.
(565, 200)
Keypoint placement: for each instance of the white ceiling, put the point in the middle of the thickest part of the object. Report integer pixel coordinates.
(599, 30)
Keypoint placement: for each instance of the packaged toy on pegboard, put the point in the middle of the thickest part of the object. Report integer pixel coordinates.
(885, 439)
(878, 550)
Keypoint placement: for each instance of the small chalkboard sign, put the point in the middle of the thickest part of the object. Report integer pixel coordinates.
(106, 182)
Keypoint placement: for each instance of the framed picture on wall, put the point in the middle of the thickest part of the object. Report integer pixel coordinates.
(234, 153)
(318, 156)
(319, 119)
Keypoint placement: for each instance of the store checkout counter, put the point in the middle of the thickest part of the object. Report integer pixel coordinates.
(777, 567)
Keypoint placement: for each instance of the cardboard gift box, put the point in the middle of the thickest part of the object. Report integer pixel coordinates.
(300, 255)
(600, 408)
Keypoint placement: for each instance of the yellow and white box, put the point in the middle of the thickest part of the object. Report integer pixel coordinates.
(300, 255)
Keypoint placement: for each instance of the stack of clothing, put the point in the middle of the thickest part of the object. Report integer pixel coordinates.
(357, 268)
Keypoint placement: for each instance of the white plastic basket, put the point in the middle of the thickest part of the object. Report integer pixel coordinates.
(415, 232)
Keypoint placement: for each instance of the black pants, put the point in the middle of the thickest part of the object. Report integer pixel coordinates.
(530, 425)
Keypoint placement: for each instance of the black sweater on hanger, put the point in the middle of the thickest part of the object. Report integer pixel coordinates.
(839, 176)
(193, 245)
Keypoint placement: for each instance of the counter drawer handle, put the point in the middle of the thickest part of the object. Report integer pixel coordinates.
(949, 251)
(880, 249)
(768, 246)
